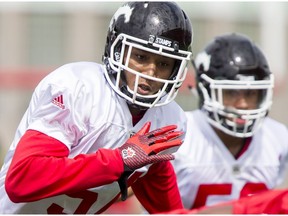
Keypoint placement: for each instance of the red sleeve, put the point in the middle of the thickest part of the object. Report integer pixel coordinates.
(269, 202)
(157, 191)
(41, 168)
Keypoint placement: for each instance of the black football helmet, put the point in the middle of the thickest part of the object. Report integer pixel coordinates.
(233, 61)
(157, 27)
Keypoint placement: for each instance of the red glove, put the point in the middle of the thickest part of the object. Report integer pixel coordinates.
(142, 148)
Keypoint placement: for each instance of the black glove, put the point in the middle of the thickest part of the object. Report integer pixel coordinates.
(142, 148)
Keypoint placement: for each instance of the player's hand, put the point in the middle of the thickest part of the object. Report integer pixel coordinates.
(142, 148)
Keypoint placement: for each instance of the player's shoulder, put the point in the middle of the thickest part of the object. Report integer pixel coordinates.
(80, 65)
(173, 105)
(274, 126)
(74, 74)
(171, 111)
(273, 131)
(199, 129)
(194, 114)
(80, 70)
(196, 138)
(196, 119)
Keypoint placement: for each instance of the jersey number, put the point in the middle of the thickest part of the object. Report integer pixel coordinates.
(88, 198)
(224, 189)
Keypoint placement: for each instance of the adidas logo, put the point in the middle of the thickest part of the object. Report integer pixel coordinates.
(58, 101)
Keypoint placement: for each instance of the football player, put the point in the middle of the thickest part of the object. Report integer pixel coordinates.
(232, 148)
(92, 130)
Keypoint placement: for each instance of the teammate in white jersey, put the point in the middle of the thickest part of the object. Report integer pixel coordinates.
(76, 143)
(231, 149)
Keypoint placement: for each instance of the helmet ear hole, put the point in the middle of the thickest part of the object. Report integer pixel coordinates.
(233, 61)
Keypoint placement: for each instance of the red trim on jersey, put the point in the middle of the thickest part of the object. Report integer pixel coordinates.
(137, 118)
(157, 191)
(41, 168)
(245, 147)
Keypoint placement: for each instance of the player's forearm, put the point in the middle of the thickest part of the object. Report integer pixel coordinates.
(157, 190)
(269, 202)
(41, 169)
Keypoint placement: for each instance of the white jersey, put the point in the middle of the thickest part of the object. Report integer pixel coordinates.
(92, 116)
(207, 173)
